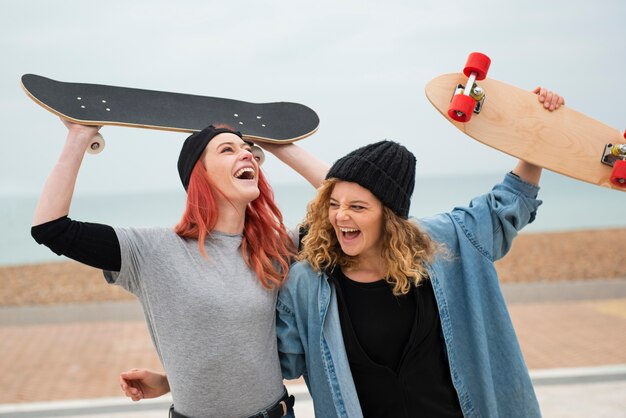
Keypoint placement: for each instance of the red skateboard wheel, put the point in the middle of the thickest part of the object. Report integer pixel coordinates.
(461, 108)
(477, 63)
(618, 176)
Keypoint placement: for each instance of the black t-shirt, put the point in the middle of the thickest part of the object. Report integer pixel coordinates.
(395, 350)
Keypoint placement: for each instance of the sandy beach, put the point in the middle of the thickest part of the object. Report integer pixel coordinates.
(562, 256)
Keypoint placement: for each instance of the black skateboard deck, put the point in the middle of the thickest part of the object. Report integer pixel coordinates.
(95, 104)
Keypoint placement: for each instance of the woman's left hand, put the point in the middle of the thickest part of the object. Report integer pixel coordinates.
(550, 99)
(140, 384)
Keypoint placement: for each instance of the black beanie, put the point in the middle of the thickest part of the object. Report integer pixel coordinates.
(192, 149)
(386, 168)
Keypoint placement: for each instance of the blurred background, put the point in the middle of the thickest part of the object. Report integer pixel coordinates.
(362, 66)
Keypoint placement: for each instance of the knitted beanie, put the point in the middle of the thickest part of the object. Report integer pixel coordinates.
(192, 149)
(385, 168)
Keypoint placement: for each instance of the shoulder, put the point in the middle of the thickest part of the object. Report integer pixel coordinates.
(150, 238)
(149, 232)
(302, 278)
(302, 272)
(301, 288)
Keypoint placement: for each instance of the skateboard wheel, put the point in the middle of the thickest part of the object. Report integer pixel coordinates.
(461, 108)
(96, 145)
(258, 153)
(477, 63)
(618, 176)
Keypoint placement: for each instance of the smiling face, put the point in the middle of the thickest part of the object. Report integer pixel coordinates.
(233, 168)
(357, 218)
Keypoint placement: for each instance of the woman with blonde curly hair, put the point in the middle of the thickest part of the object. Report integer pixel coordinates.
(404, 263)
(386, 316)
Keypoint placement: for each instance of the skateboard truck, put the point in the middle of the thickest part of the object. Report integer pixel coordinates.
(466, 101)
(477, 93)
(614, 155)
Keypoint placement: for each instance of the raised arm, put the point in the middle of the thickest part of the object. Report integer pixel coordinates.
(56, 196)
(93, 244)
(304, 163)
(551, 101)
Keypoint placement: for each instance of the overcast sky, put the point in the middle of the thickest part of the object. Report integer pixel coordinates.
(362, 65)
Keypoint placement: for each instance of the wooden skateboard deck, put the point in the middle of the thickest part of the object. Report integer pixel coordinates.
(94, 104)
(512, 120)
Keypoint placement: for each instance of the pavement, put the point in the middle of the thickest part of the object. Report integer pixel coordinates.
(64, 360)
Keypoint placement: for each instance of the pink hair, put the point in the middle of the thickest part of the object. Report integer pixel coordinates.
(266, 246)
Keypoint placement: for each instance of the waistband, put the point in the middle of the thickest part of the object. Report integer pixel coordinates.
(279, 409)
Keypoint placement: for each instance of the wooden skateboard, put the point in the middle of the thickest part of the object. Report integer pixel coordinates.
(95, 104)
(511, 120)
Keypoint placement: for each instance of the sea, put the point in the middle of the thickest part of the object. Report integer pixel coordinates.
(568, 205)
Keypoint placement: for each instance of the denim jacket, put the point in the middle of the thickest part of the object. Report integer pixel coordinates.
(486, 363)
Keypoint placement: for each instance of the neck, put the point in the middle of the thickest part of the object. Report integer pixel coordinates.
(366, 271)
(232, 218)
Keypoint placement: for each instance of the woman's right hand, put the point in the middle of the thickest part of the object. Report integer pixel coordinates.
(140, 384)
(57, 193)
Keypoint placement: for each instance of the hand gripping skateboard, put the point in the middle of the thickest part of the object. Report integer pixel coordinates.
(94, 104)
(511, 120)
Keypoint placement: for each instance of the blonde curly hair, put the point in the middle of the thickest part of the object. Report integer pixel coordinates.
(406, 248)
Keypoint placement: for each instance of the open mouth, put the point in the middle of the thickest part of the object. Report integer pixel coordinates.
(246, 173)
(349, 233)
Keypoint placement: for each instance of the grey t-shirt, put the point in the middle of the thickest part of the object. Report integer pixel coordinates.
(211, 320)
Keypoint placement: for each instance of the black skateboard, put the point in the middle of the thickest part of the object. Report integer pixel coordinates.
(95, 104)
